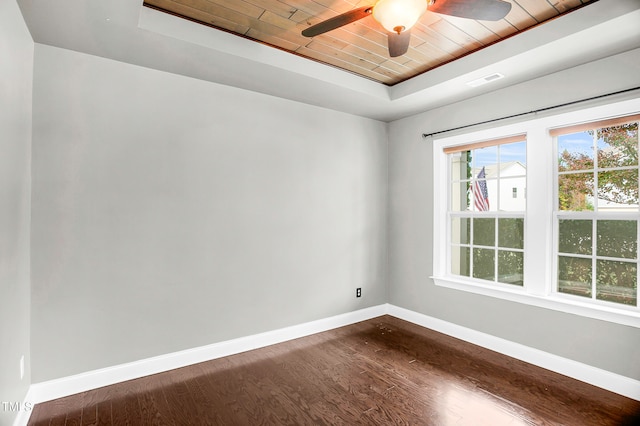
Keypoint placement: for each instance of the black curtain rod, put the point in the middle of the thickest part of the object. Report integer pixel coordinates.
(426, 135)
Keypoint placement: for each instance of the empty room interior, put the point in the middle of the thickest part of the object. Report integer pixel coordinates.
(296, 212)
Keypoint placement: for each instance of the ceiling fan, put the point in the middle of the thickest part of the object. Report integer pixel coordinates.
(398, 16)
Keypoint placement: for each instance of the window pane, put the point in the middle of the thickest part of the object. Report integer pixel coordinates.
(484, 232)
(511, 233)
(617, 282)
(484, 264)
(510, 267)
(617, 238)
(484, 157)
(460, 166)
(460, 197)
(574, 276)
(618, 190)
(512, 193)
(460, 261)
(575, 236)
(460, 230)
(575, 151)
(512, 153)
(575, 191)
(618, 146)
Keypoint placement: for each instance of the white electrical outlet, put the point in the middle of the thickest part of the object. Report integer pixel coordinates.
(21, 367)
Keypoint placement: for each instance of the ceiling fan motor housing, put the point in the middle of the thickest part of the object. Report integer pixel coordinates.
(398, 15)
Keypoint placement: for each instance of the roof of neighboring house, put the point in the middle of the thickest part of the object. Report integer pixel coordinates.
(491, 170)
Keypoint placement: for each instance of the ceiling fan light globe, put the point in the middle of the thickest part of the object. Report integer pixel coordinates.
(392, 14)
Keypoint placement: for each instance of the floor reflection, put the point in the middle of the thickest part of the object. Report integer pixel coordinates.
(475, 407)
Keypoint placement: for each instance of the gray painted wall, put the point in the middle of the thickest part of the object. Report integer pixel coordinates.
(170, 213)
(16, 70)
(601, 344)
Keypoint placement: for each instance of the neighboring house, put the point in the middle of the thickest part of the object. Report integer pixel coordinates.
(513, 185)
(610, 206)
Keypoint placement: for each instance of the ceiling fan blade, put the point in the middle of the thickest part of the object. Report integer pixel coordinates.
(398, 43)
(484, 10)
(337, 21)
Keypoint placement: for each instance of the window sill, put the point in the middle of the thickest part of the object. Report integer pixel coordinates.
(554, 302)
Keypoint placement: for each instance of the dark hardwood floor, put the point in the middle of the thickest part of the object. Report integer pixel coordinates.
(379, 372)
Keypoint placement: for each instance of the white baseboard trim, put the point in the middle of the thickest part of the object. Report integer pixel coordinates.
(65, 386)
(58, 388)
(585, 373)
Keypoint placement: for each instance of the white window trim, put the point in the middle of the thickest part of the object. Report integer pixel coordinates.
(539, 224)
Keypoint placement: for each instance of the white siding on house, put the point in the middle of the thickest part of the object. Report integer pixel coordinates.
(512, 175)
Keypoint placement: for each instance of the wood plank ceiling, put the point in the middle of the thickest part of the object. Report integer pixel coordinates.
(361, 47)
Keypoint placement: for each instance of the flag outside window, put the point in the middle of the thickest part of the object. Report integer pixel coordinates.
(480, 192)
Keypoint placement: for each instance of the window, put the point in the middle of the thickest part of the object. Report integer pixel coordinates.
(486, 225)
(548, 217)
(597, 211)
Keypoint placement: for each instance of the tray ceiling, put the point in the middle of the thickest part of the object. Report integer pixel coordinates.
(361, 47)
